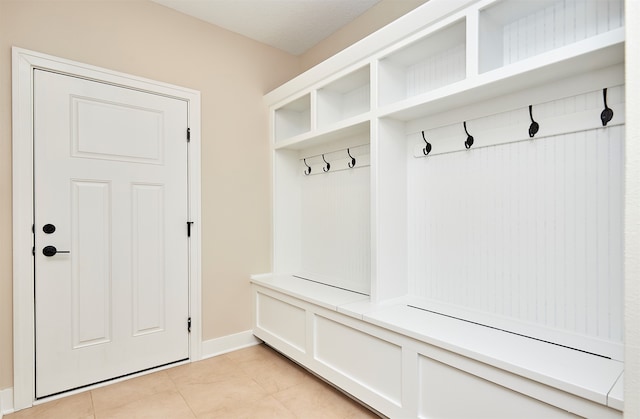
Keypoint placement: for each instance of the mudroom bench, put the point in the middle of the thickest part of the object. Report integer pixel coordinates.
(409, 362)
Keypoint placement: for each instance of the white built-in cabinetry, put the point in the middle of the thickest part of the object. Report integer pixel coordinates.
(430, 275)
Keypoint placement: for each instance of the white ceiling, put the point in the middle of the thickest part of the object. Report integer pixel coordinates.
(290, 25)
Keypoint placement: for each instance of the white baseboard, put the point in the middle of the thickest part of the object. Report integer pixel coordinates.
(229, 343)
(6, 401)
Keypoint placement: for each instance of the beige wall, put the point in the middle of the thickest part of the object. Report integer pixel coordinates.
(231, 72)
(383, 13)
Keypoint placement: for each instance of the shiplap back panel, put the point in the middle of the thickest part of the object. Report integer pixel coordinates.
(530, 231)
(335, 242)
(559, 24)
(439, 70)
(357, 101)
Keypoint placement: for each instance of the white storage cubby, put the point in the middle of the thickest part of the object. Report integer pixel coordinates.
(496, 268)
(292, 119)
(511, 31)
(523, 234)
(346, 97)
(435, 60)
(322, 196)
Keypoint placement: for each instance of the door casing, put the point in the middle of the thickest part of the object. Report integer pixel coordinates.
(24, 62)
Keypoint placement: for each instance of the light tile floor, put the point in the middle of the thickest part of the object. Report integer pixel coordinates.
(256, 382)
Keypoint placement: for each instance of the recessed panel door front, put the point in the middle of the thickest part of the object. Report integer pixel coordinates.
(111, 249)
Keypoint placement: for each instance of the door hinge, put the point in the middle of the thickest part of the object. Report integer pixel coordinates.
(189, 325)
(189, 228)
(188, 134)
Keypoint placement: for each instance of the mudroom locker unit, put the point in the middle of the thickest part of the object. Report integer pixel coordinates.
(448, 213)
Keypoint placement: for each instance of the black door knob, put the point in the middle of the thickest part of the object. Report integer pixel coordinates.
(49, 251)
(49, 228)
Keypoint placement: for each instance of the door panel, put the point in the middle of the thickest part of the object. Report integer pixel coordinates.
(91, 262)
(110, 172)
(116, 131)
(148, 275)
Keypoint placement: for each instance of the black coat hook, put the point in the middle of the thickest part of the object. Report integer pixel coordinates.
(327, 166)
(352, 163)
(307, 171)
(607, 114)
(469, 141)
(427, 146)
(534, 127)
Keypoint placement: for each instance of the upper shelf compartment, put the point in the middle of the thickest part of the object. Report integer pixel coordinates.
(293, 119)
(434, 61)
(511, 31)
(344, 98)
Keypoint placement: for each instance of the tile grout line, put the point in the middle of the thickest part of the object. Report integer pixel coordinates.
(269, 393)
(179, 391)
(93, 406)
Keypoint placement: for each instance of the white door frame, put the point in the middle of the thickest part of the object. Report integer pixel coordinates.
(24, 62)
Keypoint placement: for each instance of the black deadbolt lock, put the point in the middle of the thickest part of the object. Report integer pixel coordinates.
(49, 228)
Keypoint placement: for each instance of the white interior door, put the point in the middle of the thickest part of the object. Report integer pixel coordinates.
(110, 177)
